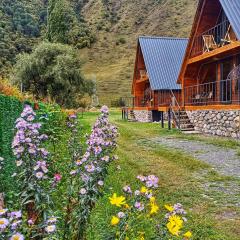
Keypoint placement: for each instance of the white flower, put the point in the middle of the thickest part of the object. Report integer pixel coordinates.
(121, 214)
(83, 191)
(39, 175)
(19, 163)
(3, 211)
(137, 193)
(17, 236)
(50, 228)
(100, 183)
(3, 223)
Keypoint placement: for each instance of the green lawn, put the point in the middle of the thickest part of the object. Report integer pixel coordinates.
(178, 182)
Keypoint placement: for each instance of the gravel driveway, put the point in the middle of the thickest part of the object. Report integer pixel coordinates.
(223, 160)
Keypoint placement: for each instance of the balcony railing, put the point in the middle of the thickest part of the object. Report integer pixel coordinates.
(161, 99)
(213, 93)
(216, 37)
(132, 102)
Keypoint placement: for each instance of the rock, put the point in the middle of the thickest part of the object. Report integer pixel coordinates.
(234, 135)
(219, 132)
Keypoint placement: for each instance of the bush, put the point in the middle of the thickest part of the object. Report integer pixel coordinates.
(121, 40)
(10, 109)
(53, 70)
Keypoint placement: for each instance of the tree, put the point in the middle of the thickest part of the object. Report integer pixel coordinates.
(63, 25)
(60, 21)
(53, 70)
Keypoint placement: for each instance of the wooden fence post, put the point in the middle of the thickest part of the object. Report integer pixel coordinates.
(169, 119)
(162, 119)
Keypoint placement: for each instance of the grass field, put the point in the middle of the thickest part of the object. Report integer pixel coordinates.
(209, 218)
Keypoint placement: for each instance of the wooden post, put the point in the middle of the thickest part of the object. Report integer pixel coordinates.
(169, 119)
(162, 119)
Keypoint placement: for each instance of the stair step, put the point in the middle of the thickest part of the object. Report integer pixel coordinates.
(187, 129)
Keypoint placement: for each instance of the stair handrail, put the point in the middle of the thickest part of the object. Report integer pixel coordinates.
(177, 118)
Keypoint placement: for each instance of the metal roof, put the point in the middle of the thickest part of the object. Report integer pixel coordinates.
(232, 11)
(163, 58)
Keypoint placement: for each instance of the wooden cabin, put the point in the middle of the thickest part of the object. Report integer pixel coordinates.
(157, 66)
(210, 74)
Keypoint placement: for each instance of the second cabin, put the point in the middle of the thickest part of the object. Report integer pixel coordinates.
(154, 87)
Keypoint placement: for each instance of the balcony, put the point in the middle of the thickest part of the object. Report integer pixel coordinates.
(217, 37)
(224, 92)
(142, 76)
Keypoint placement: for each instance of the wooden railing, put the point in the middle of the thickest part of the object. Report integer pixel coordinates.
(132, 102)
(216, 37)
(165, 98)
(213, 93)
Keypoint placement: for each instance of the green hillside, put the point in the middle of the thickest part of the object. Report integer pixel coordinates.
(116, 25)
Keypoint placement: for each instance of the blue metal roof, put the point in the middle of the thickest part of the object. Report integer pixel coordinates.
(232, 11)
(163, 60)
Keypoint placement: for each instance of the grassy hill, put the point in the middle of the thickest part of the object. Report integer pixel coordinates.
(117, 24)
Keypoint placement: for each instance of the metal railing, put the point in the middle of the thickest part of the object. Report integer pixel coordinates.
(213, 93)
(211, 39)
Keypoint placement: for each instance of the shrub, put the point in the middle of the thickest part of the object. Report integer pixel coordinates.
(53, 70)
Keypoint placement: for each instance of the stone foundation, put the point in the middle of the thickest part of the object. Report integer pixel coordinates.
(221, 123)
(143, 115)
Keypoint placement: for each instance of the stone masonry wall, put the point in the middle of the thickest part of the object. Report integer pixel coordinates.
(221, 123)
(143, 115)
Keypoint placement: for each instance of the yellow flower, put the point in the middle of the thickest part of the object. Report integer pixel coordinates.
(141, 236)
(175, 224)
(126, 206)
(152, 199)
(176, 220)
(188, 234)
(154, 208)
(114, 221)
(118, 201)
(169, 207)
(143, 190)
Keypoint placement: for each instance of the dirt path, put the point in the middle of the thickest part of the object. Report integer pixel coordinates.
(224, 161)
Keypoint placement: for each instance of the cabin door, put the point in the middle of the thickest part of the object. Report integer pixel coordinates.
(226, 85)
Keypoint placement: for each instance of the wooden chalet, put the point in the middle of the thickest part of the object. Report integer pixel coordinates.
(210, 74)
(157, 66)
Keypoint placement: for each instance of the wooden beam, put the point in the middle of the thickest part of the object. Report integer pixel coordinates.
(212, 107)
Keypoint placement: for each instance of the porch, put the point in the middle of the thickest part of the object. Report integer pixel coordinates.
(219, 93)
(154, 100)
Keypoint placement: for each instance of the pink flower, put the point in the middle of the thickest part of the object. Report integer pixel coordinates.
(57, 177)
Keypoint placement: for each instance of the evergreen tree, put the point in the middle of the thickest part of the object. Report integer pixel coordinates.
(60, 21)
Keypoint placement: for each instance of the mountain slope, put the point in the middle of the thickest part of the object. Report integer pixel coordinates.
(117, 24)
